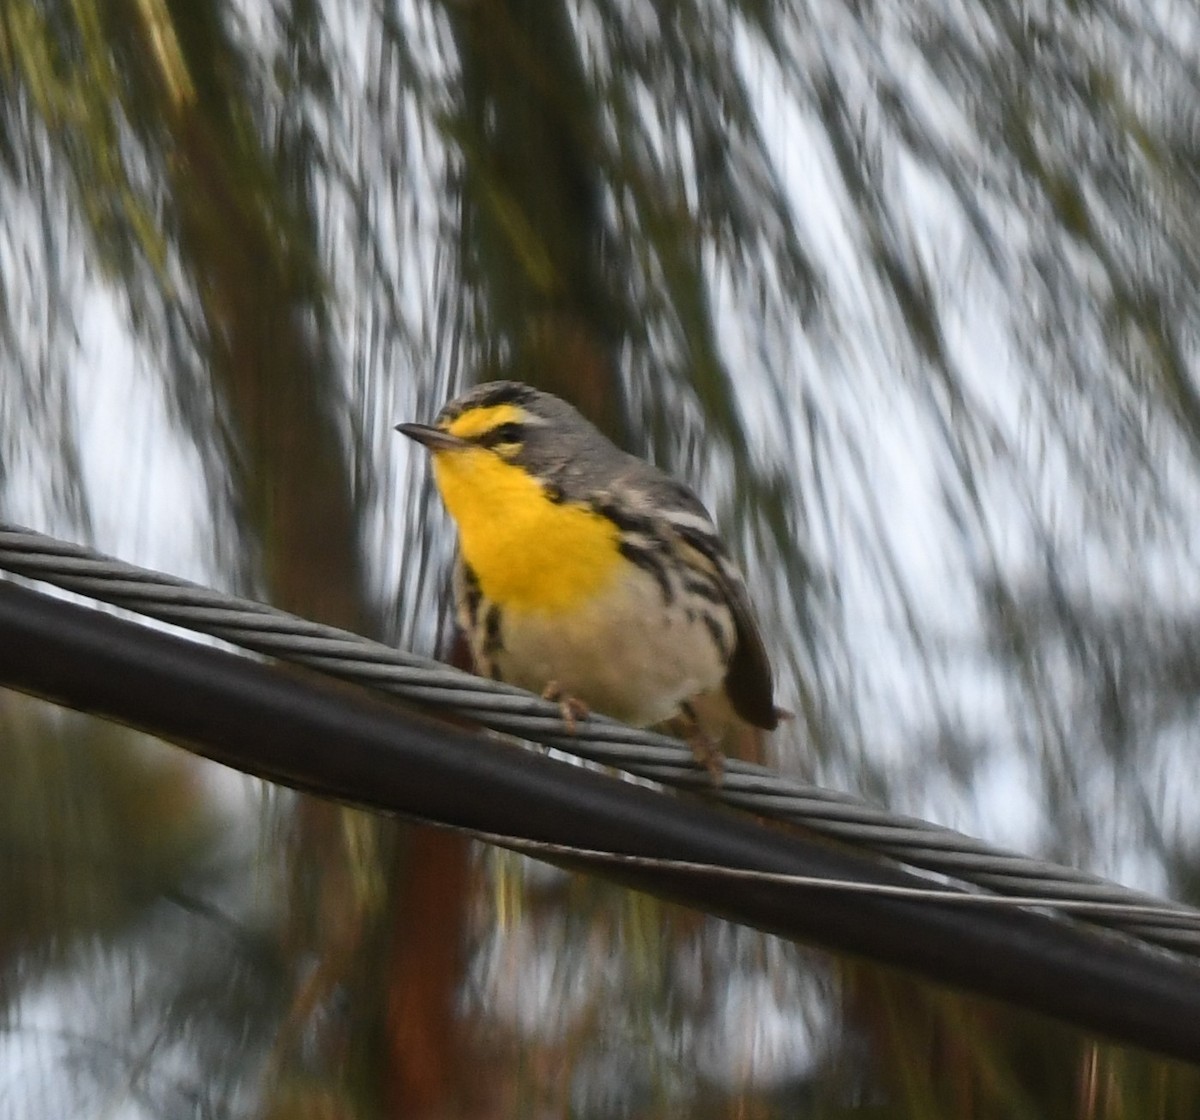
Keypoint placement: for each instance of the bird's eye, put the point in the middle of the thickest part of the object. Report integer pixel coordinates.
(505, 433)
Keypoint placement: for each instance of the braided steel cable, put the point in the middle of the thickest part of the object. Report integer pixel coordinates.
(267, 630)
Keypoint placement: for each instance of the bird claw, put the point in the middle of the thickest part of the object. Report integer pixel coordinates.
(571, 708)
(707, 754)
(705, 749)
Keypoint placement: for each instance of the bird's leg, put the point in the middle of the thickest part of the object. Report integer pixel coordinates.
(705, 748)
(572, 708)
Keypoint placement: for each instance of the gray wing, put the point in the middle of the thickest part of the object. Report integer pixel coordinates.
(749, 681)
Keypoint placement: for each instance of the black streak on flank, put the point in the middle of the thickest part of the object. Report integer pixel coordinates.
(704, 543)
(648, 560)
(493, 641)
(555, 493)
(718, 636)
(471, 594)
(706, 589)
(625, 520)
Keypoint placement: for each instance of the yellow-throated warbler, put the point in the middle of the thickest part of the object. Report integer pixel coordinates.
(589, 575)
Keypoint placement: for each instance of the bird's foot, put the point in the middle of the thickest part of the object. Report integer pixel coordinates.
(571, 707)
(705, 749)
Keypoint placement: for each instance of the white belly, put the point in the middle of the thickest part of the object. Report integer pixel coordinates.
(625, 653)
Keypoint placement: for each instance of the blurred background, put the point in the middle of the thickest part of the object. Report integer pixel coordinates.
(909, 290)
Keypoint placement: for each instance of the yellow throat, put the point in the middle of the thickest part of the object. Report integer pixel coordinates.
(528, 553)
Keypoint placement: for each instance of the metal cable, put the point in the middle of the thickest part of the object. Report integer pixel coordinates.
(266, 630)
(942, 894)
(344, 744)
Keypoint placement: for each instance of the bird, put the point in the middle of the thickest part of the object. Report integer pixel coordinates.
(590, 576)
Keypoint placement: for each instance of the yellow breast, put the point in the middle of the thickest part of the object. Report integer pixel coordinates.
(528, 553)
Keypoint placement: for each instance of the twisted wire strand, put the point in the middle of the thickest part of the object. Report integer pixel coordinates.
(266, 630)
(938, 893)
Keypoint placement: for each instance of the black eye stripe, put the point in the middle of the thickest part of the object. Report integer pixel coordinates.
(503, 433)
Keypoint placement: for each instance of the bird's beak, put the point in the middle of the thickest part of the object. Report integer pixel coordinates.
(433, 438)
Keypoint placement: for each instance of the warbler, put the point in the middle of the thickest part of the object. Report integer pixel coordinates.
(589, 575)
